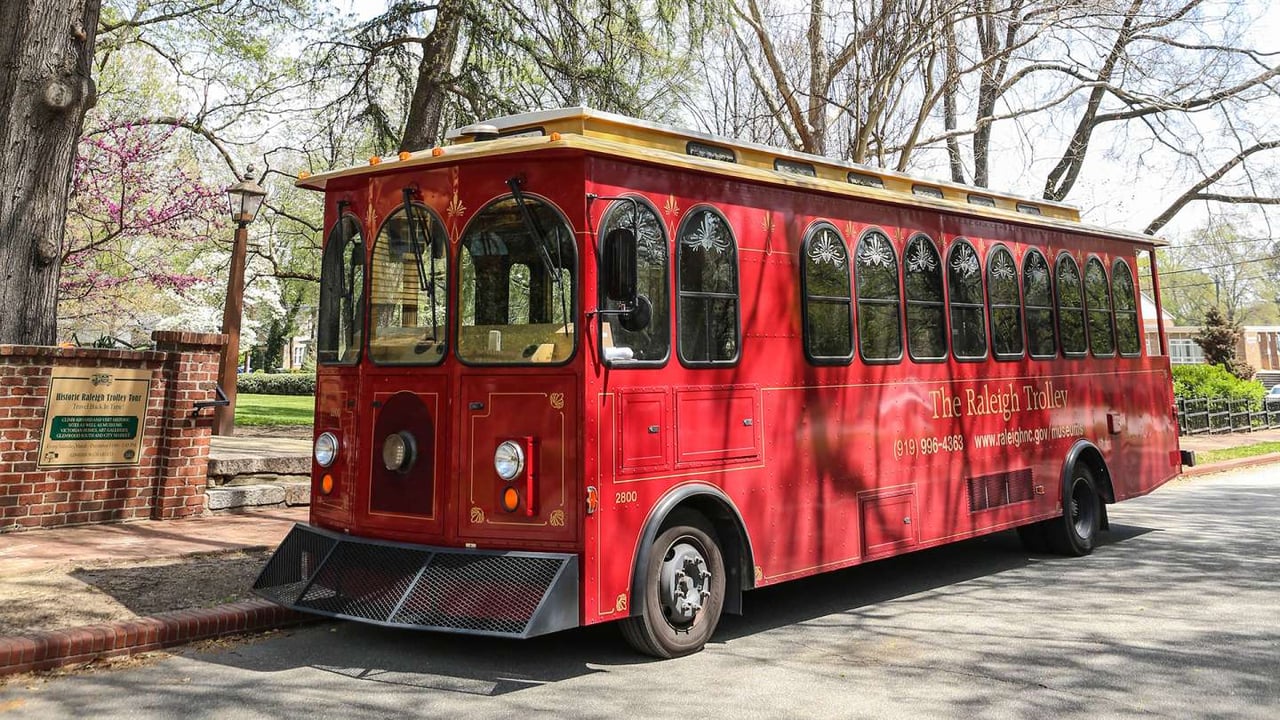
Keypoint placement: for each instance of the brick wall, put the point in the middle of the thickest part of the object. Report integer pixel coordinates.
(169, 479)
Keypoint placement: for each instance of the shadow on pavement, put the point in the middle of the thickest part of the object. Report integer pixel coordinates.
(1179, 622)
(494, 666)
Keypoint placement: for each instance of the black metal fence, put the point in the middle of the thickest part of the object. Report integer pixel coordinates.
(1199, 416)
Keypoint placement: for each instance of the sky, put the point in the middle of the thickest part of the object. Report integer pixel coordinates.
(1112, 191)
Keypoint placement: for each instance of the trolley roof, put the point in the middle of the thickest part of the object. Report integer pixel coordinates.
(611, 134)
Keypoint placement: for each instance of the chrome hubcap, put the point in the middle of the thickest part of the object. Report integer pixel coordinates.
(685, 584)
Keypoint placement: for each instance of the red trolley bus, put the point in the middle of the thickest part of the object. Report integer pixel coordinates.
(575, 367)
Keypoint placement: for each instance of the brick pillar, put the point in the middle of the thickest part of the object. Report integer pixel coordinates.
(190, 375)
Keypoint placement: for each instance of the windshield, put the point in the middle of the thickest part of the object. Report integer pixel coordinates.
(517, 285)
(341, 295)
(408, 279)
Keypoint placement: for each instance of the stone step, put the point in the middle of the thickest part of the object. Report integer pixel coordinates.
(278, 494)
(232, 456)
(257, 479)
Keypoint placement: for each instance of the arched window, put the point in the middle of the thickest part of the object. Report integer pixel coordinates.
(1127, 335)
(926, 309)
(1006, 310)
(879, 304)
(1037, 301)
(408, 290)
(517, 285)
(707, 266)
(968, 311)
(338, 333)
(1070, 307)
(1097, 296)
(651, 344)
(828, 305)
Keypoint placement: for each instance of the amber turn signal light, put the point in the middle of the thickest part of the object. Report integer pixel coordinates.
(326, 484)
(510, 499)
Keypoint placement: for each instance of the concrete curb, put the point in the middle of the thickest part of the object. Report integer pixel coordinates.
(1226, 465)
(73, 646)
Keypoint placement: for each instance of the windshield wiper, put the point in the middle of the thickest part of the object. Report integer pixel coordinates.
(531, 227)
(424, 282)
(413, 237)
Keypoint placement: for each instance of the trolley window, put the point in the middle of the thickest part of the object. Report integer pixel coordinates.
(1037, 299)
(408, 284)
(1097, 296)
(1006, 311)
(1070, 307)
(926, 310)
(651, 344)
(341, 314)
(517, 285)
(828, 307)
(879, 306)
(1127, 336)
(708, 299)
(968, 322)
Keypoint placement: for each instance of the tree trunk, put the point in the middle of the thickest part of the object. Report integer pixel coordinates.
(46, 85)
(422, 127)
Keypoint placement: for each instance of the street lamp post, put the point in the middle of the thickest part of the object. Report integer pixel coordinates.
(243, 199)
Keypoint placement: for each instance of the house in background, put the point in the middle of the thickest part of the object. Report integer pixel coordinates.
(295, 352)
(1259, 344)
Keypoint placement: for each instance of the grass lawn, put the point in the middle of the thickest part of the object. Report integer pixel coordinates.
(1213, 456)
(275, 409)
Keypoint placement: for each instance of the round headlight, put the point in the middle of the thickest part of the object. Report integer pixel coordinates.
(326, 449)
(508, 460)
(398, 451)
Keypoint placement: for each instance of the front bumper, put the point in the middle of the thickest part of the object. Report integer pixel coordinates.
(478, 592)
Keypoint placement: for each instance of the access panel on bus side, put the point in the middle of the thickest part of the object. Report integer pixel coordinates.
(407, 500)
(336, 391)
(539, 412)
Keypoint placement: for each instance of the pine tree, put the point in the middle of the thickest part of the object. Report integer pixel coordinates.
(1218, 339)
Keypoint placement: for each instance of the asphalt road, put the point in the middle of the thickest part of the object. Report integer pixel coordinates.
(1174, 615)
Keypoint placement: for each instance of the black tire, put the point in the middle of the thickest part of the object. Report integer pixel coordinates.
(1075, 532)
(671, 626)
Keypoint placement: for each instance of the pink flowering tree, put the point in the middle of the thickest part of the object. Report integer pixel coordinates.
(139, 215)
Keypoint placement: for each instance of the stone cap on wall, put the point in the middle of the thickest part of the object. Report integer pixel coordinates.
(81, 353)
(179, 338)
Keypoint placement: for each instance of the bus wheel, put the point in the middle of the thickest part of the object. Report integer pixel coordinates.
(683, 593)
(1075, 532)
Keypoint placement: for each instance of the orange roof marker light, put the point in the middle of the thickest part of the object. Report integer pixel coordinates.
(405, 155)
(555, 137)
(437, 151)
(304, 175)
(375, 160)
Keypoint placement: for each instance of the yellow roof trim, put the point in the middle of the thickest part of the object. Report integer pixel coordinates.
(618, 136)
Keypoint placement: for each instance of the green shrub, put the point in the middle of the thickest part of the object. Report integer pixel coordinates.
(1213, 381)
(276, 384)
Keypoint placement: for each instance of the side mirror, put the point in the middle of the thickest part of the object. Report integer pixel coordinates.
(639, 317)
(620, 265)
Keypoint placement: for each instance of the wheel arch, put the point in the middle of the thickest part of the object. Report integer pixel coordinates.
(712, 503)
(1089, 454)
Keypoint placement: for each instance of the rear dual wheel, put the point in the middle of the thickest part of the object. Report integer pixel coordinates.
(1076, 531)
(683, 592)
